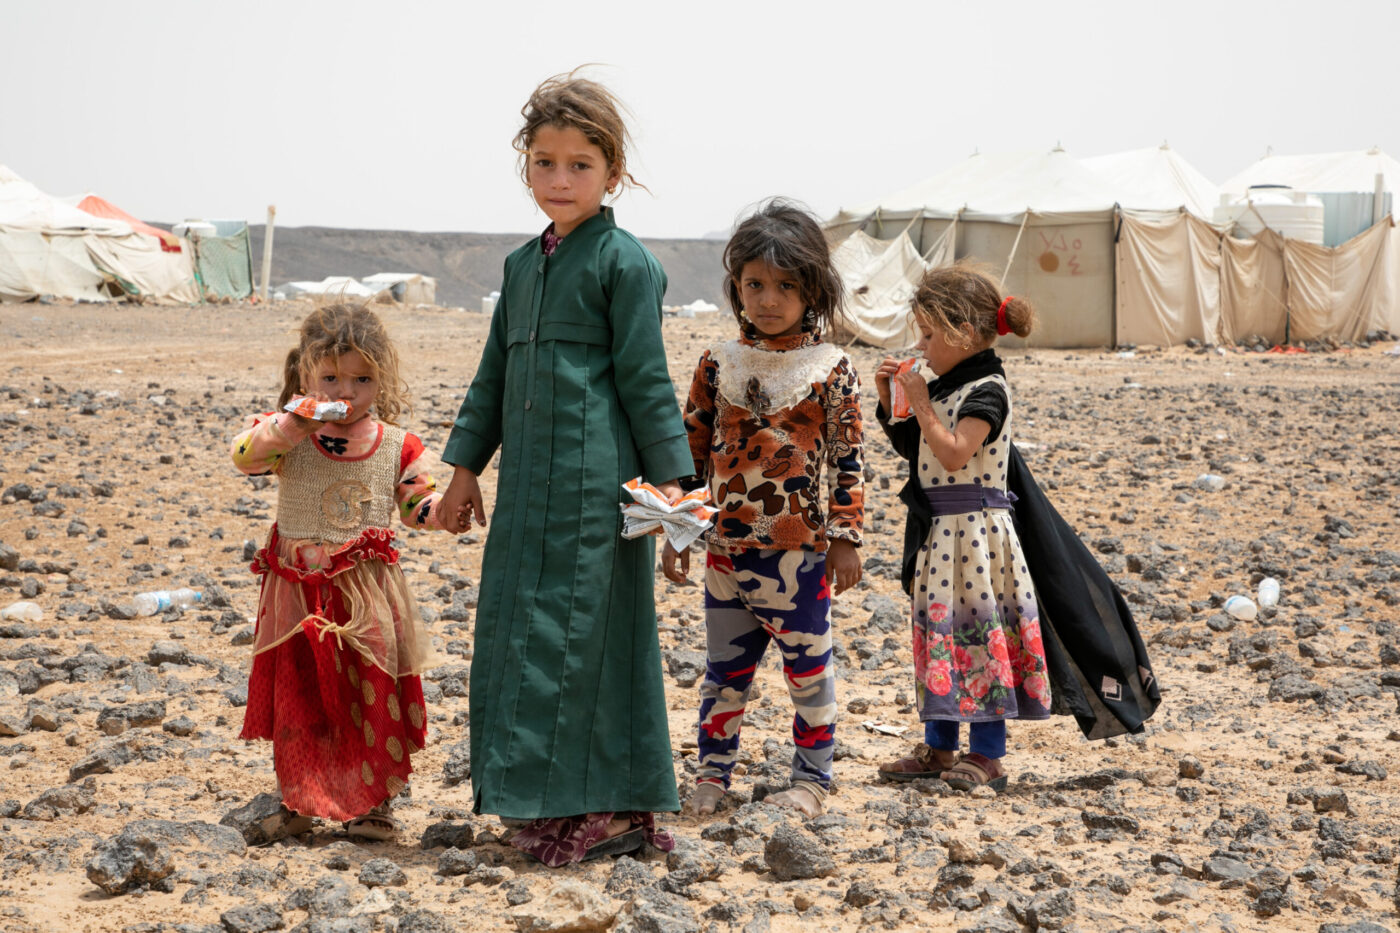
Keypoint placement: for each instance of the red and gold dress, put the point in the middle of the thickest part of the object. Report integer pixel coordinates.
(339, 645)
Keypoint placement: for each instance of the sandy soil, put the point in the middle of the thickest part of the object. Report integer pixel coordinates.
(1261, 797)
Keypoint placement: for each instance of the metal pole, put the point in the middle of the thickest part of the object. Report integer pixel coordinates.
(267, 249)
(1378, 200)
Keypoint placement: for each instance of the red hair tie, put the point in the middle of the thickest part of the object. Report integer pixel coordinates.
(1003, 328)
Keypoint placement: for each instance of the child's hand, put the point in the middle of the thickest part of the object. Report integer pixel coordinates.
(915, 389)
(671, 490)
(462, 502)
(843, 565)
(668, 564)
(883, 375)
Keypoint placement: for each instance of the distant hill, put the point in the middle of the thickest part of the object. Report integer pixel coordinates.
(466, 265)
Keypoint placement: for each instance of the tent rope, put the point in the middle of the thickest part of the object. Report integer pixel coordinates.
(1025, 218)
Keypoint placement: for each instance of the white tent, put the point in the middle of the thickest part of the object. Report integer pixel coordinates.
(48, 247)
(1116, 250)
(1155, 179)
(407, 287)
(1041, 220)
(1345, 182)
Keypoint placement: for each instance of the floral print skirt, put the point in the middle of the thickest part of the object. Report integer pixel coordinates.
(978, 652)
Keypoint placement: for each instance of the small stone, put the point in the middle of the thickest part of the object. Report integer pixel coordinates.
(1190, 767)
(382, 872)
(181, 726)
(569, 907)
(114, 720)
(793, 854)
(251, 918)
(447, 834)
(455, 862)
(127, 861)
(1330, 800)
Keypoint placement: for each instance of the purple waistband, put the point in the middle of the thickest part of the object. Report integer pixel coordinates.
(961, 498)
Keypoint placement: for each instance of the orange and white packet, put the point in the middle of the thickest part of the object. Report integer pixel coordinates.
(308, 407)
(681, 522)
(899, 402)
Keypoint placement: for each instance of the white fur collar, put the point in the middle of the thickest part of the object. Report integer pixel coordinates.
(766, 381)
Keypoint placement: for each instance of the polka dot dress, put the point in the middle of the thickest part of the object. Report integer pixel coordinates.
(978, 654)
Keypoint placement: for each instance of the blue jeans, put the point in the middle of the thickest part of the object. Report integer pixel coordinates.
(983, 738)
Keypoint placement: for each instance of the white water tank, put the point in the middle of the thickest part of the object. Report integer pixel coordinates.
(1294, 214)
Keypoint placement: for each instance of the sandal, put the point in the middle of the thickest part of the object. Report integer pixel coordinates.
(974, 770)
(375, 826)
(623, 843)
(926, 763)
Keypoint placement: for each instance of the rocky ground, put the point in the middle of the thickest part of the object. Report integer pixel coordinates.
(1261, 796)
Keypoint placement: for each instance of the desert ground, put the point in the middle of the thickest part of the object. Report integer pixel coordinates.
(1261, 796)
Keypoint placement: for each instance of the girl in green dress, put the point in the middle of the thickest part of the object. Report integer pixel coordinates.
(568, 714)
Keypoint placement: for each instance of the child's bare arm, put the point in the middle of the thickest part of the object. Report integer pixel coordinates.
(952, 448)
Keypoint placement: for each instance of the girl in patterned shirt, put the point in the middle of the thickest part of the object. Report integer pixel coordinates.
(765, 413)
(339, 644)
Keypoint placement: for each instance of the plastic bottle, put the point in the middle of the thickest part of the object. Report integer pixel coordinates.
(1242, 608)
(148, 604)
(22, 611)
(1268, 592)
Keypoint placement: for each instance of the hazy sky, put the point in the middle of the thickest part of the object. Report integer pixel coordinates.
(400, 116)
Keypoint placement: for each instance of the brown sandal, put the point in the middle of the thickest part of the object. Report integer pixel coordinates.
(974, 770)
(924, 764)
(375, 826)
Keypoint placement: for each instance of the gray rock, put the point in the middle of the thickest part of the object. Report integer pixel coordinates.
(167, 652)
(628, 874)
(426, 921)
(382, 873)
(335, 925)
(456, 862)
(1190, 767)
(458, 767)
(1221, 868)
(1371, 770)
(1293, 688)
(1050, 910)
(181, 726)
(886, 615)
(792, 854)
(251, 918)
(104, 759)
(447, 834)
(654, 911)
(114, 720)
(686, 666)
(690, 863)
(57, 801)
(257, 820)
(129, 860)
(569, 907)
(1361, 926)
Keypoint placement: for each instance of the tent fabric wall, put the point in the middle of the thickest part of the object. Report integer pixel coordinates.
(1331, 290)
(225, 264)
(1168, 288)
(1253, 288)
(880, 277)
(33, 263)
(142, 267)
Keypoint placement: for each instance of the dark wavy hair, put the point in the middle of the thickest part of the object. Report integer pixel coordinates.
(785, 235)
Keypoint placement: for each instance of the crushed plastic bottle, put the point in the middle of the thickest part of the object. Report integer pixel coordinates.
(22, 611)
(1268, 592)
(157, 601)
(1209, 482)
(1242, 608)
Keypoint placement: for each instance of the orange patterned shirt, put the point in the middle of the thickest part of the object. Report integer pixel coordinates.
(762, 418)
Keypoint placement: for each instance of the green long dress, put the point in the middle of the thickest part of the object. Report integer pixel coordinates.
(568, 711)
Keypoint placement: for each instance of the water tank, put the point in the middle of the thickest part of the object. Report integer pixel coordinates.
(196, 228)
(1294, 214)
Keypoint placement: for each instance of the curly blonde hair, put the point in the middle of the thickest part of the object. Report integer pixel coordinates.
(347, 328)
(964, 293)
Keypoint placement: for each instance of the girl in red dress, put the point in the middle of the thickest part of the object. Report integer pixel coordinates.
(340, 645)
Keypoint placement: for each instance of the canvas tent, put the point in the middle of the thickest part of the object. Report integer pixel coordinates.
(49, 247)
(1114, 250)
(1344, 181)
(406, 287)
(1040, 219)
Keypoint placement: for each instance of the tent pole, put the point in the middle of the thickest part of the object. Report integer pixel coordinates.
(1025, 218)
(1378, 200)
(267, 249)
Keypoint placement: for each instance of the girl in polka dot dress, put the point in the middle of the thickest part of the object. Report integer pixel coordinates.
(978, 653)
(339, 643)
